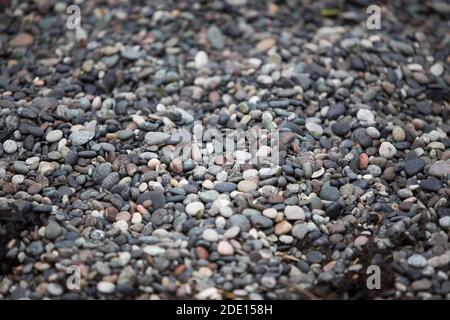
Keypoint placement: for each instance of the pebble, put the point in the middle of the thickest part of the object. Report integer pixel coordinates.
(444, 222)
(246, 186)
(329, 193)
(210, 235)
(315, 129)
(10, 146)
(387, 150)
(417, 261)
(54, 136)
(195, 208)
(81, 137)
(224, 248)
(440, 169)
(106, 287)
(299, 231)
(414, 166)
(365, 117)
(294, 213)
(157, 138)
(282, 227)
(398, 134)
(53, 231)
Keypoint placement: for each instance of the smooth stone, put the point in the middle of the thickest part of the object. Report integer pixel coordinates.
(270, 213)
(417, 261)
(21, 167)
(101, 171)
(387, 150)
(444, 222)
(110, 181)
(365, 117)
(201, 60)
(329, 193)
(55, 289)
(260, 221)
(300, 230)
(53, 231)
(437, 69)
(314, 128)
(440, 169)
(414, 166)
(195, 208)
(282, 227)
(247, 186)
(224, 187)
(215, 37)
(158, 199)
(10, 146)
(398, 134)
(224, 248)
(208, 196)
(157, 138)
(334, 210)
(54, 136)
(240, 221)
(81, 137)
(106, 287)
(431, 184)
(294, 213)
(341, 128)
(210, 235)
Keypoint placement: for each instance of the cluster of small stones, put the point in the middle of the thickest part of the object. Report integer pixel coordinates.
(86, 145)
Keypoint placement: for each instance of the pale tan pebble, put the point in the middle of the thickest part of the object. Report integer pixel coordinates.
(136, 218)
(124, 215)
(282, 227)
(224, 248)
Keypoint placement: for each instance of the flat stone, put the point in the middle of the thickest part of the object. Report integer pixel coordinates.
(247, 186)
(414, 166)
(294, 213)
(431, 184)
(81, 137)
(157, 138)
(54, 136)
(10, 146)
(106, 287)
(440, 169)
(300, 230)
(22, 40)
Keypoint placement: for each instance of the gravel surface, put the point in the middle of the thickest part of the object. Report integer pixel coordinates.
(91, 185)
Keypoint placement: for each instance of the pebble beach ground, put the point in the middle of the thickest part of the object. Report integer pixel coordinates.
(95, 203)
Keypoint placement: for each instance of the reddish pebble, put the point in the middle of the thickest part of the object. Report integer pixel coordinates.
(363, 161)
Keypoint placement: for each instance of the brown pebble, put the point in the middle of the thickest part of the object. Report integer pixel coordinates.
(202, 253)
(363, 161)
(22, 40)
